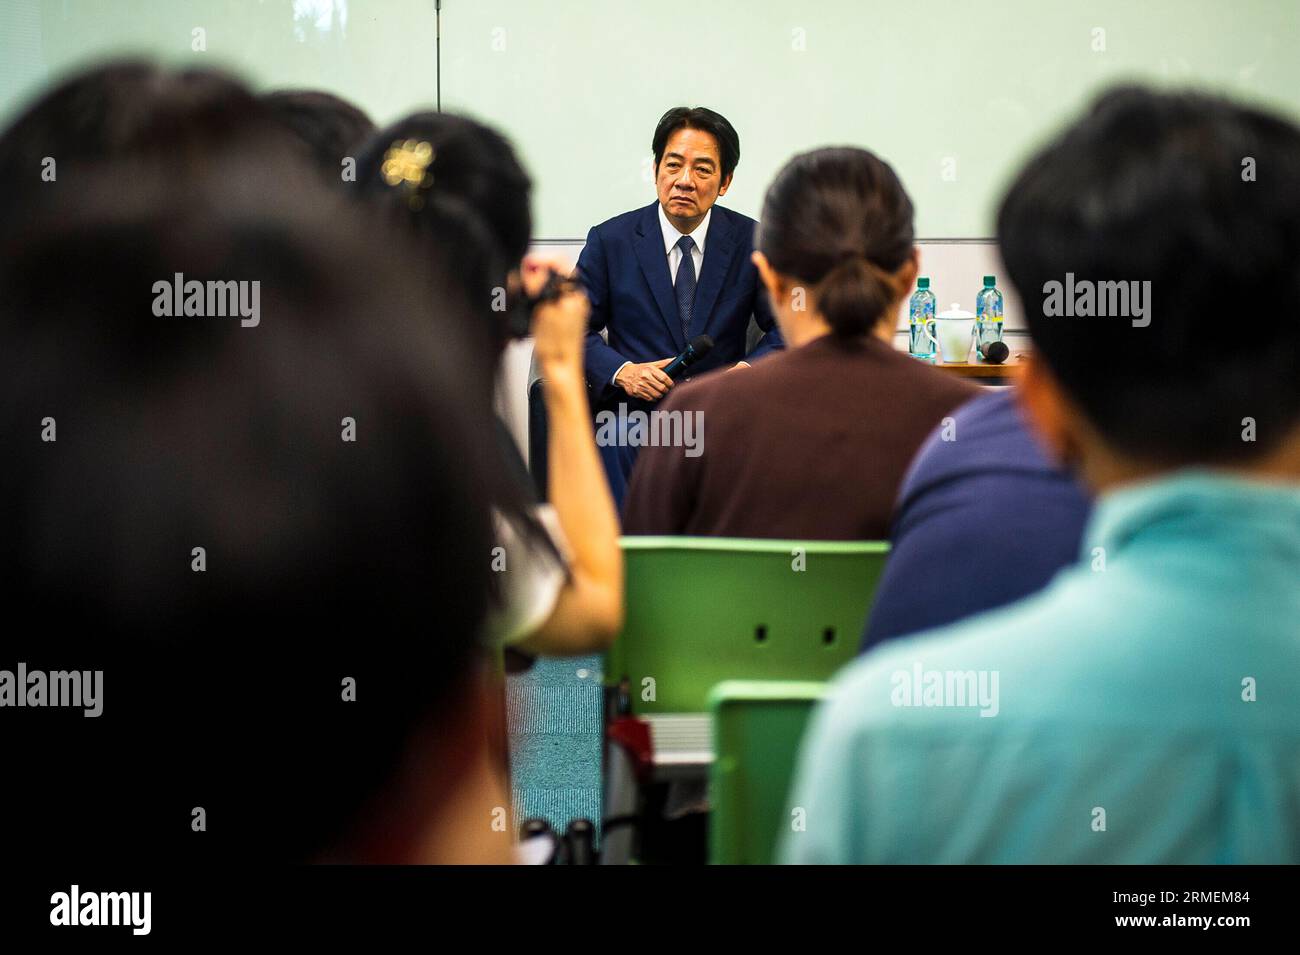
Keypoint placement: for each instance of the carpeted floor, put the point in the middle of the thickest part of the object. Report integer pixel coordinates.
(554, 713)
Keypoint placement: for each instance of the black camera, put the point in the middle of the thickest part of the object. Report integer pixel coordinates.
(520, 319)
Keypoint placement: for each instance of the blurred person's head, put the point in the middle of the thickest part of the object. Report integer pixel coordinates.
(453, 191)
(331, 128)
(167, 121)
(271, 539)
(835, 245)
(457, 188)
(1156, 246)
(696, 152)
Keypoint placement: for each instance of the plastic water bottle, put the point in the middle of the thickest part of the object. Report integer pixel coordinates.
(920, 313)
(988, 314)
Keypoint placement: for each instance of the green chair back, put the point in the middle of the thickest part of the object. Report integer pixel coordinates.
(701, 610)
(757, 729)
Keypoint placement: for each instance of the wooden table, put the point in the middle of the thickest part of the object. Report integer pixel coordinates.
(1011, 368)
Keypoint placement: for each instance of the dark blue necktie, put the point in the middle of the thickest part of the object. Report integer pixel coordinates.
(685, 285)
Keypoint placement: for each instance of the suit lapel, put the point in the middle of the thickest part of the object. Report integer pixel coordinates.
(718, 250)
(649, 248)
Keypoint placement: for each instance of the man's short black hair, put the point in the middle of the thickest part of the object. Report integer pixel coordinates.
(1200, 197)
(330, 127)
(168, 119)
(705, 119)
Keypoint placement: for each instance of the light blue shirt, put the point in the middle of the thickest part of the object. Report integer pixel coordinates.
(1144, 708)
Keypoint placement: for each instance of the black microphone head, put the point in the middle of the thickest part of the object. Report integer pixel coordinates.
(700, 346)
(995, 353)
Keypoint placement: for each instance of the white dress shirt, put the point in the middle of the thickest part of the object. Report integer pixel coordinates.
(671, 238)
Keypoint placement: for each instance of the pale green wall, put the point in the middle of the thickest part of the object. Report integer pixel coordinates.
(578, 84)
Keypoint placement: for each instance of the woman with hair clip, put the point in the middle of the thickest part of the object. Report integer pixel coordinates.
(813, 442)
(458, 185)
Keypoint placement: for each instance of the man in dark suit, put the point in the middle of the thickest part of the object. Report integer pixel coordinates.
(661, 275)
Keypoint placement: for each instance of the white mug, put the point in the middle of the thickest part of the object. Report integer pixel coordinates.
(954, 331)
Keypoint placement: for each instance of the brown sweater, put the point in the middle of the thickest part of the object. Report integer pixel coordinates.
(810, 443)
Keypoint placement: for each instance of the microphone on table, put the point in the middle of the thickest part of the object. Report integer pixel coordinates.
(995, 353)
(700, 346)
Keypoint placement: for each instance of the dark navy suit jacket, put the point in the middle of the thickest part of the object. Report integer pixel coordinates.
(625, 271)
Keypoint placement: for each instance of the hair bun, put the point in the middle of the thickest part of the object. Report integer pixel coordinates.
(853, 295)
(839, 220)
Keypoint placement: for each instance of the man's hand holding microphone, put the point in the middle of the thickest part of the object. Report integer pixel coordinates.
(652, 380)
(645, 379)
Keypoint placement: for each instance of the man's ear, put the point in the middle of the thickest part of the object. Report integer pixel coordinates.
(1050, 413)
(726, 184)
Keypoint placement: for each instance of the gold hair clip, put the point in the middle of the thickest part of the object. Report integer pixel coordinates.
(407, 161)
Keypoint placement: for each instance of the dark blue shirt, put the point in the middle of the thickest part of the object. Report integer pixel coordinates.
(982, 521)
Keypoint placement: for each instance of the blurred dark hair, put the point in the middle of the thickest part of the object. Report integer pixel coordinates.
(706, 120)
(326, 559)
(1152, 187)
(330, 127)
(166, 120)
(472, 211)
(840, 220)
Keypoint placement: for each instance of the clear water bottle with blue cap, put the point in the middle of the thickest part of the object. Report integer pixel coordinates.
(988, 314)
(920, 313)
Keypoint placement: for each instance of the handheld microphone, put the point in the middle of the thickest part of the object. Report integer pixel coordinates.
(700, 346)
(995, 353)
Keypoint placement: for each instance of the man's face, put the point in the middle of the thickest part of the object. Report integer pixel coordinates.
(689, 178)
